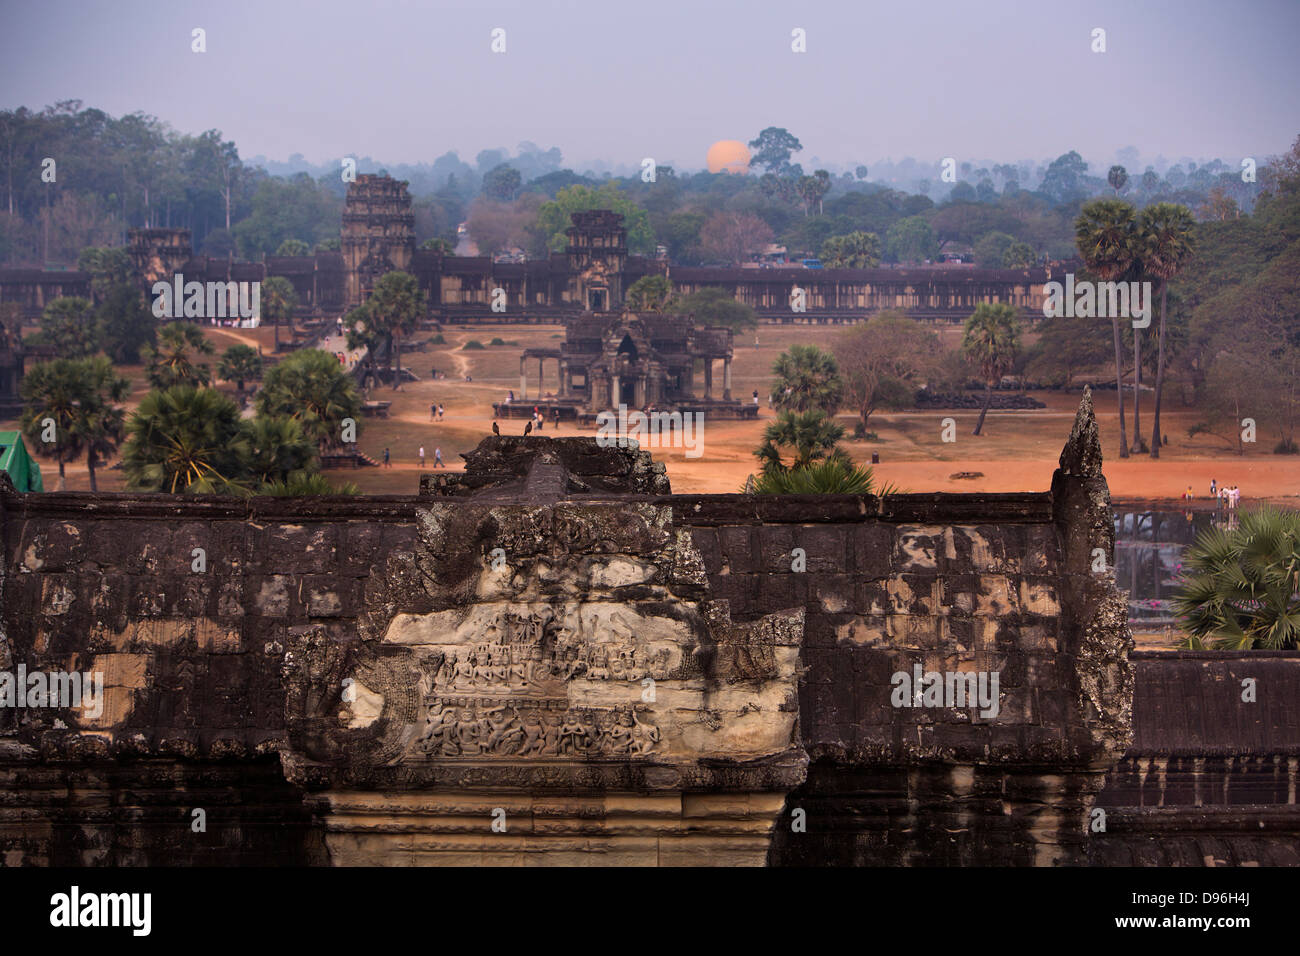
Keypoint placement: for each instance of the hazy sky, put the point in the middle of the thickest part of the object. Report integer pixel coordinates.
(619, 80)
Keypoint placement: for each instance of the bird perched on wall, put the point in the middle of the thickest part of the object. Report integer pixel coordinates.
(496, 429)
(528, 428)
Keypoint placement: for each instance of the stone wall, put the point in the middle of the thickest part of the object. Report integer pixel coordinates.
(552, 660)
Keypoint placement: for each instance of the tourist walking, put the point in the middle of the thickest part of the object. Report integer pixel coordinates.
(437, 458)
(433, 411)
(439, 412)
(1214, 488)
(421, 456)
(387, 463)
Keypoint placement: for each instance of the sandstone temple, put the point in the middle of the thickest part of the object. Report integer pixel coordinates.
(552, 659)
(592, 274)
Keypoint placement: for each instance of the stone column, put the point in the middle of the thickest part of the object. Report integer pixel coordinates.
(523, 379)
(708, 378)
(613, 391)
(541, 377)
(726, 379)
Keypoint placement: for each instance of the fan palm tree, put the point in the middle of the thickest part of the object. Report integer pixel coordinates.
(277, 302)
(53, 393)
(811, 435)
(101, 424)
(831, 476)
(395, 307)
(173, 359)
(806, 379)
(313, 389)
(1105, 235)
(1165, 233)
(186, 439)
(1240, 589)
(990, 343)
(278, 451)
(239, 364)
(305, 485)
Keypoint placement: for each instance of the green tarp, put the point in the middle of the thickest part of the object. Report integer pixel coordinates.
(23, 470)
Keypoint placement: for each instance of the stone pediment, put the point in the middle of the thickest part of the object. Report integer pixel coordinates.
(554, 646)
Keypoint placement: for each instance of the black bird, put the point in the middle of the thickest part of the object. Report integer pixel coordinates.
(496, 429)
(528, 428)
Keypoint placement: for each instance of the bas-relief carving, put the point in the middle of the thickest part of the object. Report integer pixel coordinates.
(597, 645)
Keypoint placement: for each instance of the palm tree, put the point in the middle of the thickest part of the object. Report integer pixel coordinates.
(395, 308)
(239, 364)
(305, 485)
(990, 343)
(279, 451)
(1165, 231)
(172, 361)
(807, 378)
(313, 389)
(812, 436)
(277, 302)
(53, 393)
(186, 439)
(101, 425)
(832, 476)
(1105, 236)
(1118, 178)
(1240, 588)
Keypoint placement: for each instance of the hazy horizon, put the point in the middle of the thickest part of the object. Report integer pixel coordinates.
(609, 88)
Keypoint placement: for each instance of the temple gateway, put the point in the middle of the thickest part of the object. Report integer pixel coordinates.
(638, 361)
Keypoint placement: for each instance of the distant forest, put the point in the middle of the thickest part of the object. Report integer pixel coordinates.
(109, 174)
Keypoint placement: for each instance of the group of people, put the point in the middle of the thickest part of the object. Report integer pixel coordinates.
(1224, 496)
(435, 412)
(437, 458)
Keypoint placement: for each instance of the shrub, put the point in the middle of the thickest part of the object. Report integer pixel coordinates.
(472, 344)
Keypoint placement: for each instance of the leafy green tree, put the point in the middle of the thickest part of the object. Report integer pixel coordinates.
(1019, 255)
(856, 250)
(882, 360)
(186, 439)
(807, 437)
(553, 217)
(293, 247)
(445, 246)
(332, 244)
(1240, 588)
(991, 249)
(806, 379)
(911, 240)
(394, 310)
(240, 364)
(714, 306)
(109, 266)
(173, 359)
(68, 324)
(1106, 237)
(650, 294)
(860, 172)
(990, 342)
(1063, 182)
(278, 450)
(772, 149)
(278, 300)
(502, 182)
(124, 323)
(79, 397)
(312, 388)
(1165, 241)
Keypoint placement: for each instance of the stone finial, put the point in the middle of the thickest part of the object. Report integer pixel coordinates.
(1081, 456)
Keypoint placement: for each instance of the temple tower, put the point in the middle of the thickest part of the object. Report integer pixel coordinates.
(597, 256)
(378, 233)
